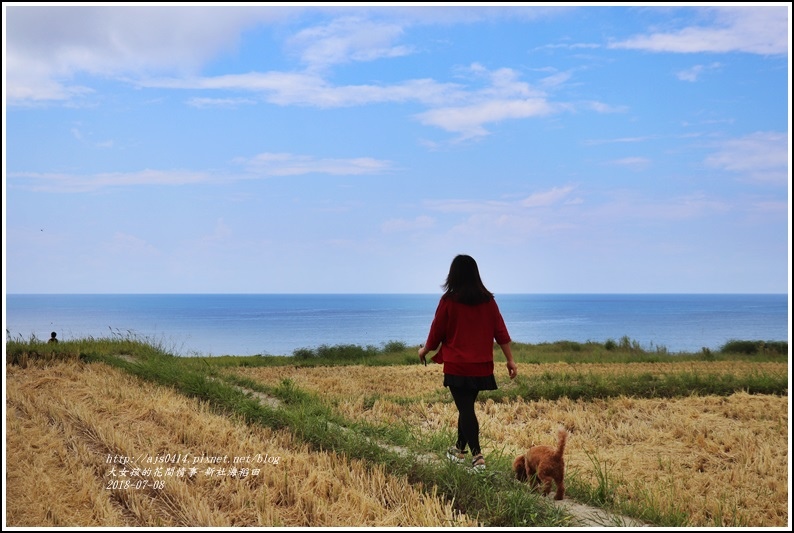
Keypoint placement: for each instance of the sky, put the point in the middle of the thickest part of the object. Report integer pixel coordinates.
(357, 149)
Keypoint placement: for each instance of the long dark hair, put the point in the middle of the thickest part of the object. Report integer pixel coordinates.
(464, 284)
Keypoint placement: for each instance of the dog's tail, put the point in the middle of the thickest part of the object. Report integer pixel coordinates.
(562, 437)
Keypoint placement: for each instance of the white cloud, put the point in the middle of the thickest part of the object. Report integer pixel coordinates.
(693, 73)
(760, 157)
(262, 165)
(600, 107)
(227, 103)
(558, 210)
(46, 46)
(287, 88)
(690, 74)
(755, 30)
(346, 40)
(469, 120)
(55, 182)
(546, 198)
(29, 81)
(555, 195)
(422, 13)
(512, 228)
(78, 134)
(502, 96)
(502, 83)
(629, 207)
(282, 164)
(556, 79)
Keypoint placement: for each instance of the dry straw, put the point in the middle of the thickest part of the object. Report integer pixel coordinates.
(64, 421)
(719, 460)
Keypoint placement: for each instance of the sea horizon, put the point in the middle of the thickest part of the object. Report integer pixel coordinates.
(279, 323)
(383, 293)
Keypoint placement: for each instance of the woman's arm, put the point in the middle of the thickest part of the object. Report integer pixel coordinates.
(512, 368)
(437, 331)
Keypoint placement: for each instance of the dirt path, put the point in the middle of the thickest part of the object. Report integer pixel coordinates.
(587, 516)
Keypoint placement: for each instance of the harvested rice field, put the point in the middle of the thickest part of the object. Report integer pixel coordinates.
(718, 460)
(91, 445)
(71, 427)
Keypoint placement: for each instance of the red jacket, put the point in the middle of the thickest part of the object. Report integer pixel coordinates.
(466, 334)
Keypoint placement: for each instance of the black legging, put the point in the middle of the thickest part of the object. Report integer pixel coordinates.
(468, 427)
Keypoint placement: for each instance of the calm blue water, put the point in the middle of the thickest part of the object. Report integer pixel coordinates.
(243, 324)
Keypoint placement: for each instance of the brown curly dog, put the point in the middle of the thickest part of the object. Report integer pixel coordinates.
(542, 465)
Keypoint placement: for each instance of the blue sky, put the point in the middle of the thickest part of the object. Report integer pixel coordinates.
(332, 149)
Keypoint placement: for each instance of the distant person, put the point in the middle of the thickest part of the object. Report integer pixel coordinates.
(52, 337)
(466, 323)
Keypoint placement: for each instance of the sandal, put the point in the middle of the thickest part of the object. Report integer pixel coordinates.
(478, 463)
(454, 454)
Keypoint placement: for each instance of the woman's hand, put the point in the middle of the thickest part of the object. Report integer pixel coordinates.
(512, 369)
(422, 353)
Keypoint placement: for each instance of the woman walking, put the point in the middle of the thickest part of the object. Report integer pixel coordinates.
(466, 324)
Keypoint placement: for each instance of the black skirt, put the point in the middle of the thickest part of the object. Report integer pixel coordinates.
(470, 382)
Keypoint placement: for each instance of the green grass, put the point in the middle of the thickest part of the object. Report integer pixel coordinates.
(587, 386)
(575, 384)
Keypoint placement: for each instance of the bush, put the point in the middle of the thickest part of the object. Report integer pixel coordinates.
(394, 346)
(303, 353)
(755, 347)
(339, 352)
(625, 344)
(778, 347)
(569, 346)
(345, 351)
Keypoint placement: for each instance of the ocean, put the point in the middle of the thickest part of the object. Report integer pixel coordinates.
(278, 324)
